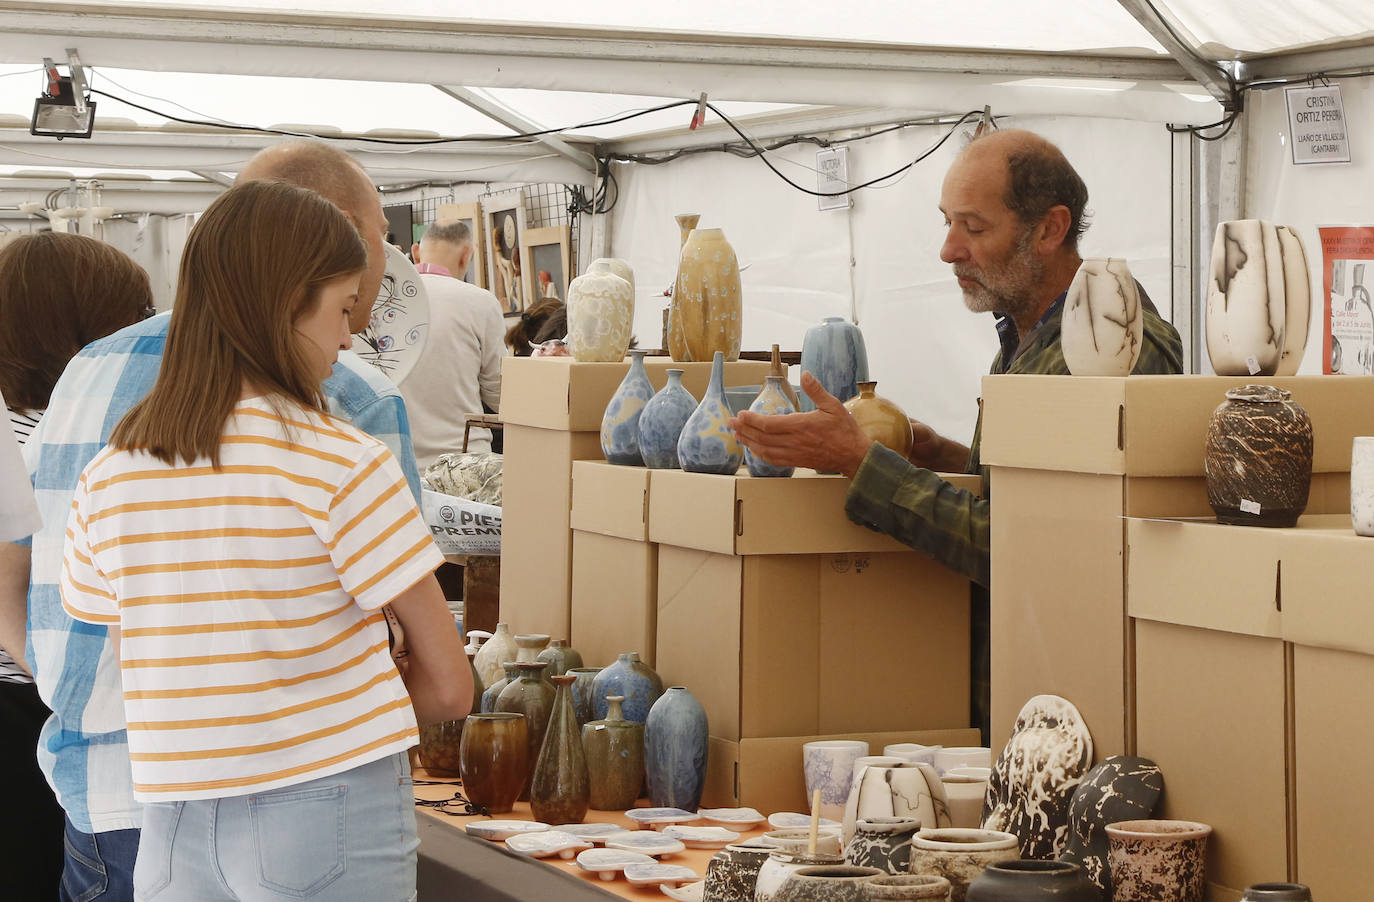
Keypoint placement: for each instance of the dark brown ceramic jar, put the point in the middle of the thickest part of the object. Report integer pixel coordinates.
(1258, 457)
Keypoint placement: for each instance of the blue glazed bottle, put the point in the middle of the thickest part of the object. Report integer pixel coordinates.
(770, 402)
(620, 425)
(675, 740)
(631, 678)
(834, 353)
(708, 444)
(492, 692)
(661, 422)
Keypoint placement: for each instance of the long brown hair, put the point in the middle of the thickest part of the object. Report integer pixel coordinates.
(252, 267)
(544, 317)
(59, 293)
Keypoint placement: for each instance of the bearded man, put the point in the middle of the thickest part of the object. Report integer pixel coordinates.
(1014, 210)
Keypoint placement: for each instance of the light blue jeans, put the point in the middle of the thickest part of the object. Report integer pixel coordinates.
(349, 836)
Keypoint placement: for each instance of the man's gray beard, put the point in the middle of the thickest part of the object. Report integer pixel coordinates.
(1014, 291)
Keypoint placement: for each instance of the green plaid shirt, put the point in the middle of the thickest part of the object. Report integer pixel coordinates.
(917, 507)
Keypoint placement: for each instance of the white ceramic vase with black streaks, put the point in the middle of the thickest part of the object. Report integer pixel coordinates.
(1259, 271)
(883, 843)
(1102, 328)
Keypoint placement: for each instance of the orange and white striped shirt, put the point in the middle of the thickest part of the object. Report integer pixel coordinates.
(254, 651)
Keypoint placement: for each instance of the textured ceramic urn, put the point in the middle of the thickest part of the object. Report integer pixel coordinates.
(1153, 860)
(706, 314)
(601, 310)
(1256, 268)
(880, 419)
(1258, 458)
(1101, 328)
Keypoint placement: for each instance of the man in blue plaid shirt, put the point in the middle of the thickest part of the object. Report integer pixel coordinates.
(83, 748)
(1014, 210)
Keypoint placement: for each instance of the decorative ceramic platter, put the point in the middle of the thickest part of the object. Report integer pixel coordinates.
(647, 842)
(606, 863)
(658, 818)
(396, 333)
(547, 842)
(592, 833)
(701, 837)
(659, 874)
(499, 830)
(790, 820)
(732, 817)
(688, 892)
(1035, 777)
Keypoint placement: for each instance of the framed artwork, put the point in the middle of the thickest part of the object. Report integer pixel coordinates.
(503, 220)
(546, 263)
(471, 215)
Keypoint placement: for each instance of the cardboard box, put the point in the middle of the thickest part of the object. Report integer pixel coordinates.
(767, 774)
(611, 500)
(1333, 694)
(1150, 425)
(1211, 712)
(561, 393)
(536, 541)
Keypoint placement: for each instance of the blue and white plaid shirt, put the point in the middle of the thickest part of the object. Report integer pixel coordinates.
(83, 749)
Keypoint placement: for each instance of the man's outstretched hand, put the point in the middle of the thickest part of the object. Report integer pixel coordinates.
(826, 439)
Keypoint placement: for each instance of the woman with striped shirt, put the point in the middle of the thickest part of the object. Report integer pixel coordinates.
(58, 293)
(243, 544)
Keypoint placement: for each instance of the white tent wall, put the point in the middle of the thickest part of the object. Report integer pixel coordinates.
(1313, 195)
(927, 351)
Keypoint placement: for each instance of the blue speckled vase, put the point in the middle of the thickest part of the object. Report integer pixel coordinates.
(632, 678)
(582, 692)
(770, 402)
(661, 422)
(675, 739)
(620, 425)
(708, 444)
(492, 692)
(834, 353)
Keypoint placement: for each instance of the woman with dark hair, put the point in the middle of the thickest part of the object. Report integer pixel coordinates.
(241, 544)
(58, 293)
(545, 320)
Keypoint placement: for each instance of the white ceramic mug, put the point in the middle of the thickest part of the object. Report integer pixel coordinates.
(913, 752)
(828, 765)
(1362, 485)
(962, 757)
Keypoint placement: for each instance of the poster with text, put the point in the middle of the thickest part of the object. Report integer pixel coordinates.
(1347, 277)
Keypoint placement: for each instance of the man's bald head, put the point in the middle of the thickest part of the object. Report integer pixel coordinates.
(338, 178)
(1038, 177)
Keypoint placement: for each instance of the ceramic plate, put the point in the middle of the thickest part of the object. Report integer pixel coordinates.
(733, 817)
(659, 874)
(1036, 775)
(661, 817)
(546, 843)
(688, 892)
(791, 820)
(395, 335)
(701, 837)
(499, 830)
(592, 833)
(606, 863)
(647, 842)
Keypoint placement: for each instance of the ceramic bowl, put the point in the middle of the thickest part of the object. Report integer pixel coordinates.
(658, 818)
(701, 837)
(659, 874)
(981, 773)
(732, 817)
(607, 863)
(912, 751)
(646, 842)
(796, 841)
(499, 830)
(962, 757)
(546, 843)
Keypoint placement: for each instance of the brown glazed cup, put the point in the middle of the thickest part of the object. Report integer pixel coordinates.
(493, 759)
(1157, 859)
(439, 743)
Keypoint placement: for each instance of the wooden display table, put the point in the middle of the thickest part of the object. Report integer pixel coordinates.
(456, 866)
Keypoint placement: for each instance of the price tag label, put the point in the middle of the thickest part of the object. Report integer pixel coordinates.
(1252, 365)
(1317, 127)
(1249, 507)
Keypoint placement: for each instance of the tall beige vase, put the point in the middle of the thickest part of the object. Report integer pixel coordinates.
(706, 314)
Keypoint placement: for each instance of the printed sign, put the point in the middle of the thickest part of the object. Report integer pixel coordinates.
(832, 174)
(1316, 125)
(460, 526)
(1347, 278)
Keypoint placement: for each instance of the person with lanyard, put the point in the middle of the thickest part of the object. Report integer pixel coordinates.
(1014, 211)
(239, 543)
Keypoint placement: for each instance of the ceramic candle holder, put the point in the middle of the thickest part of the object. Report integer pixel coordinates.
(829, 766)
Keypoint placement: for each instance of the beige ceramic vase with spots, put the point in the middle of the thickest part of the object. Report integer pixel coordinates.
(706, 314)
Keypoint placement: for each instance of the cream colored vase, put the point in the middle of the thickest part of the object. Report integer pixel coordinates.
(1101, 328)
(903, 790)
(706, 314)
(1258, 271)
(601, 312)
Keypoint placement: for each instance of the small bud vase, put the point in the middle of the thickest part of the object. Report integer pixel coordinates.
(614, 748)
(772, 401)
(661, 422)
(707, 443)
(880, 419)
(559, 789)
(620, 425)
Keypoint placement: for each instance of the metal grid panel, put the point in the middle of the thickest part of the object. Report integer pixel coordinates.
(546, 204)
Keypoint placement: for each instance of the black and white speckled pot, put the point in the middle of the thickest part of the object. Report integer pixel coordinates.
(836, 883)
(883, 843)
(1156, 859)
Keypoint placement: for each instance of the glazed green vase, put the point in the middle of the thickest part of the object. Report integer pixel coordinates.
(532, 696)
(614, 748)
(561, 658)
(582, 692)
(559, 789)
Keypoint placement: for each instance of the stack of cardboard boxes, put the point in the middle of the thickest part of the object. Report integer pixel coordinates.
(1238, 658)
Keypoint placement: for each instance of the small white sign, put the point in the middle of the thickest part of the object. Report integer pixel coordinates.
(1317, 129)
(832, 174)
